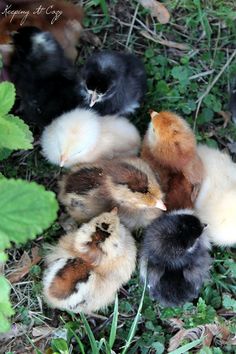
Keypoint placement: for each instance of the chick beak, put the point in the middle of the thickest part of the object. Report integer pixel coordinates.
(63, 159)
(160, 205)
(94, 97)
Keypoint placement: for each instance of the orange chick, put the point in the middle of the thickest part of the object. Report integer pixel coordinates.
(61, 18)
(169, 147)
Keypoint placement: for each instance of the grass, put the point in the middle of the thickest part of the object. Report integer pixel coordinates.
(195, 83)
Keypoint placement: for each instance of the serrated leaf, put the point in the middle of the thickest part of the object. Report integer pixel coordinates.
(26, 209)
(14, 133)
(181, 73)
(205, 116)
(7, 97)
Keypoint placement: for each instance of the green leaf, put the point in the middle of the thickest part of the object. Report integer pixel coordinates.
(149, 53)
(7, 97)
(205, 116)
(162, 88)
(181, 73)
(4, 153)
(212, 143)
(229, 303)
(3, 257)
(60, 345)
(212, 102)
(26, 209)
(14, 133)
(160, 348)
(5, 306)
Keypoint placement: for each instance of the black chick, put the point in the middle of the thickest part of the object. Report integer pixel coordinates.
(45, 79)
(113, 83)
(232, 104)
(175, 258)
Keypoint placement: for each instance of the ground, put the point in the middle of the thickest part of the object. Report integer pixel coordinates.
(190, 66)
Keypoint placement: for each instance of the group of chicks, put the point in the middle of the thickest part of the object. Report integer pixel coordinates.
(182, 195)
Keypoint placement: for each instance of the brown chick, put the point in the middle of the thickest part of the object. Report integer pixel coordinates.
(87, 267)
(61, 18)
(127, 183)
(169, 147)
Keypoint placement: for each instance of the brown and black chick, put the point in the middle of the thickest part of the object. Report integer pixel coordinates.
(87, 267)
(126, 183)
(169, 147)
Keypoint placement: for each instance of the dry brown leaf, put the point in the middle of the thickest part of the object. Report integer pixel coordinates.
(157, 39)
(226, 117)
(42, 331)
(91, 38)
(176, 323)
(157, 10)
(22, 267)
(208, 331)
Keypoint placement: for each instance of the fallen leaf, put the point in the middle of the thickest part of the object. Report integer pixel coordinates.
(42, 331)
(226, 117)
(176, 323)
(157, 39)
(22, 267)
(91, 38)
(157, 10)
(208, 331)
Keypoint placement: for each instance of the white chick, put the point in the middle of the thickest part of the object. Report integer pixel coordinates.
(81, 135)
(87, 268)
(216, 202)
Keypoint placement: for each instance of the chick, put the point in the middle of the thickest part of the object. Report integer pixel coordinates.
(81, 135)
(87, 268)
(113, 83)
(232, 104)
(61, 18)
(169, 147)
(127, 183)
(45, 79)
(216, 201)
(174, 257)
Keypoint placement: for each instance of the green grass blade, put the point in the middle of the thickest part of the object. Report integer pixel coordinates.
(89, 332)
(187, 347)
(135, 323)
(112, 336)
(104, 8)
(106, 345)
(81, 346)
